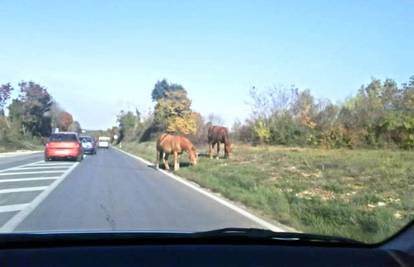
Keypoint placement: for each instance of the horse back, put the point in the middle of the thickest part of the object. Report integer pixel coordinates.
(169, 143)
(218, 134)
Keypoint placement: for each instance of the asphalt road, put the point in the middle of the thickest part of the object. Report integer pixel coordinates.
(107, 191)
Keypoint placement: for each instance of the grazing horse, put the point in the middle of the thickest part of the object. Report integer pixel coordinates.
(173, 144)
(217, 135)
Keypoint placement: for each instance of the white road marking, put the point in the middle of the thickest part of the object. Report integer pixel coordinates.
(10, 208)
(50, 163)
(38, 164)
(12, 168)
(220, 200)
(28, 179)
(19, 217)
(22, 189)
(31, 172)
(41, 168)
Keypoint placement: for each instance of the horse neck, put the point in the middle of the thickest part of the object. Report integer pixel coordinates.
(185, 145)
(226, 140)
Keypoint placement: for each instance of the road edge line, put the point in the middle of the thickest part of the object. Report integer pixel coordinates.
(14, 222)
(223, 201)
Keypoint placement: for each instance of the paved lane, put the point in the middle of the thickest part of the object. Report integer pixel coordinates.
(112, 191)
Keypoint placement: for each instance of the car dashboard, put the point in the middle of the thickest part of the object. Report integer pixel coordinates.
(167, 250)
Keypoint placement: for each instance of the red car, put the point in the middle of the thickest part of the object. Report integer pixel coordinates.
(64, 145)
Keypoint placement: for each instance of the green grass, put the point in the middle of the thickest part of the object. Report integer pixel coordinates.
(365, 195)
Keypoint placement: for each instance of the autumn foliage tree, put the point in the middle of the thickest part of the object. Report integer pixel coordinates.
(36, 102)
(172, 111)
(65, 120)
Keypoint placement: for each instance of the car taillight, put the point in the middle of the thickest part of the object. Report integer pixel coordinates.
(77, 145)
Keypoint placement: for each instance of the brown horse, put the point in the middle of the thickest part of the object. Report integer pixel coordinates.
(173, 144)
(217, 135)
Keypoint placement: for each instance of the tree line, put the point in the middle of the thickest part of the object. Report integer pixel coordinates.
(32, 115)
(381, 114)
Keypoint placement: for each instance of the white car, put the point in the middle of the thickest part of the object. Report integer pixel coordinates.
(103, 142)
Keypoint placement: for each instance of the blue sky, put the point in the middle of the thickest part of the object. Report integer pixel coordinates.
(97, 57)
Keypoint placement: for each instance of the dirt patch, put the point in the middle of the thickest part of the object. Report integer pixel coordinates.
(316, 193)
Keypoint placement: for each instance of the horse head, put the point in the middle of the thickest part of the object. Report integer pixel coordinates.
(227, 149)
(192, 155)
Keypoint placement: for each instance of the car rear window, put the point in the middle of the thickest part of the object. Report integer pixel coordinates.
(62, 137)
(86, 139)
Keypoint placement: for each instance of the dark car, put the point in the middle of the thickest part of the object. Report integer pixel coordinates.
(88, 144)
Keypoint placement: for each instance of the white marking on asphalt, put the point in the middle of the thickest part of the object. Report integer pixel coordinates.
(222, 201)
(19, 217)
(28, 179)
(22, 189)
(15, 207)
(12, 168)
(42, 167)
(38, 165)
(20, 173)
(42, 163)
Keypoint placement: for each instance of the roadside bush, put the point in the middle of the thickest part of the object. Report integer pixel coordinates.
(380, 115)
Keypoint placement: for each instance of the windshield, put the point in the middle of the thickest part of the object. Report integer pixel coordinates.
(293, 117)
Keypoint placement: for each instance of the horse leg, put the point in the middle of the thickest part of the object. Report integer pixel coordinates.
(210, 152)
(176, 162)
(157, 163)
(218, 150)
(165, 160)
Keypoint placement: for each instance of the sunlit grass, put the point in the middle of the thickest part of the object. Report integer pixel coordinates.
(365, 195)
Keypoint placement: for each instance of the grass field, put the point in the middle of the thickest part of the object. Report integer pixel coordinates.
(365, 195)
